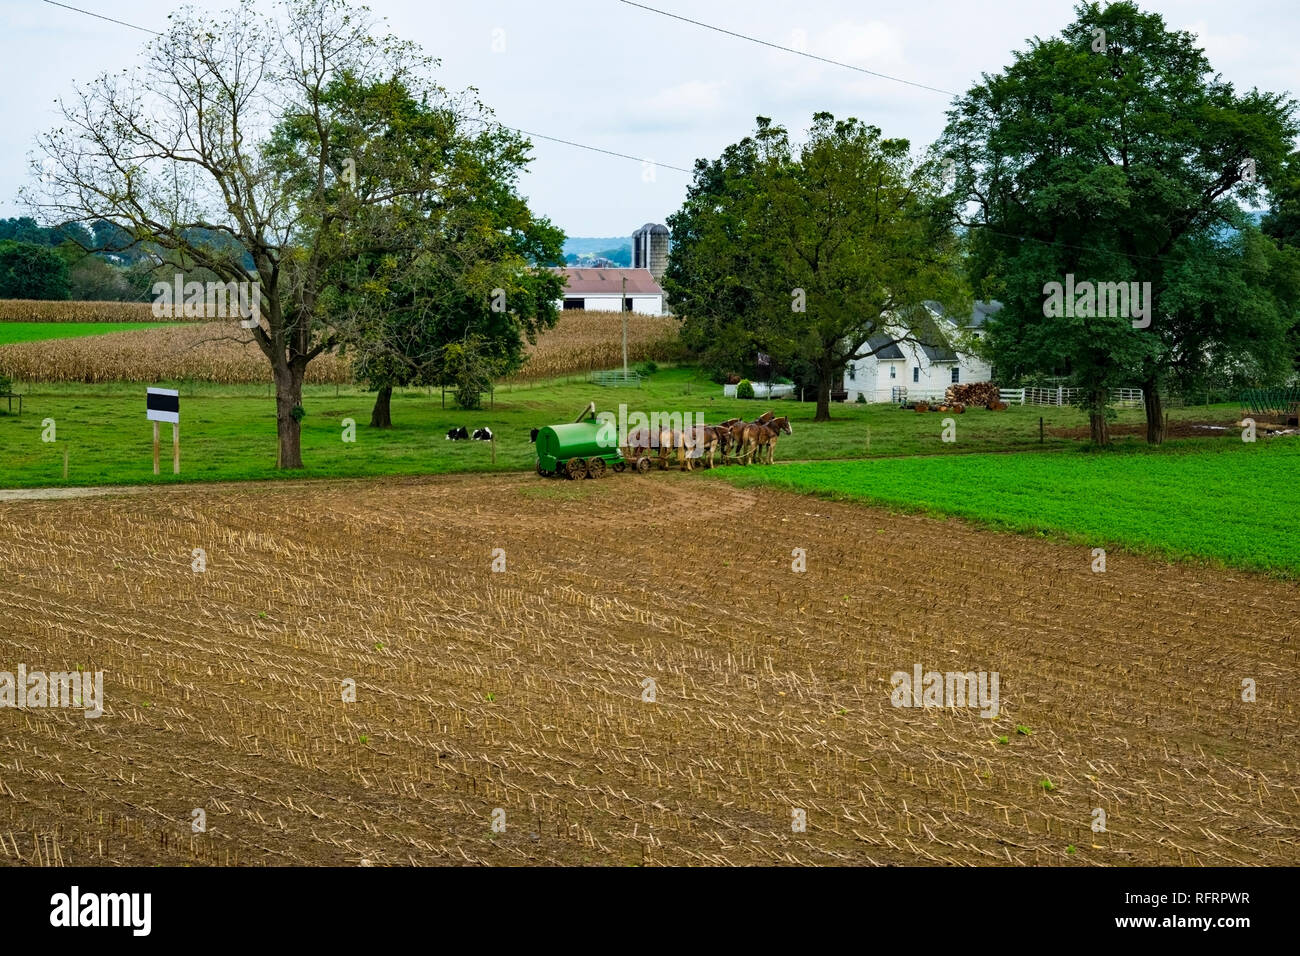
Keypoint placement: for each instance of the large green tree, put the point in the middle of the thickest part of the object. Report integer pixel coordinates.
(810, 250)
(455, 257)
(1110, 153)
(205, 139)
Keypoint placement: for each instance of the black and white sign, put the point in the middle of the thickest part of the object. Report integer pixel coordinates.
(163, 405)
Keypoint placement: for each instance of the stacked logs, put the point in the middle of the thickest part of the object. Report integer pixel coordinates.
(976, 393)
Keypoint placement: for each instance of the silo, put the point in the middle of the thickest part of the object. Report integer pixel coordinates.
(650, 249)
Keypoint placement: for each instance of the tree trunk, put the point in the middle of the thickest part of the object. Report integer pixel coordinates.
(823, 398)
(1155, 413)
(1097, 418)
(288, 396)
(381, 415)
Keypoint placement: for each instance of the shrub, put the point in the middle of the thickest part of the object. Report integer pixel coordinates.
(861, 399)
(647, 368)
(744, 389)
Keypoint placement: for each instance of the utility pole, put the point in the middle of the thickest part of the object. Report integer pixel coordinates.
(622, 307)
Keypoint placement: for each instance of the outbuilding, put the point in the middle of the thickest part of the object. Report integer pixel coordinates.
(612, 290)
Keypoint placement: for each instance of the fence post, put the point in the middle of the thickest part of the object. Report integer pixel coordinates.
(1040, 429)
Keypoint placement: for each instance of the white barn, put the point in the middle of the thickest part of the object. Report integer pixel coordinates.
(902, 369)
(604, 290)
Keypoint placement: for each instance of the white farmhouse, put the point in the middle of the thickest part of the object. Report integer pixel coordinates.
(901, 370)
(612, 290)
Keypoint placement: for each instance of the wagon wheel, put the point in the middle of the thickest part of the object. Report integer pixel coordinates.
(642, 464)
(620, 467)
(539, 468)
(596, 468)
(576, 468)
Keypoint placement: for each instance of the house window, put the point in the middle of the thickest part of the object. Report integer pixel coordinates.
(574, 303)
(893, 371)
(853, 372)
(916, 373)
(956, 374)
(627, 305)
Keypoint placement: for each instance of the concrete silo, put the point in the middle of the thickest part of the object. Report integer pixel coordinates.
(650, 249)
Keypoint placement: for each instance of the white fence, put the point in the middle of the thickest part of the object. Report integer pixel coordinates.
(1119, 397)
(761, 390)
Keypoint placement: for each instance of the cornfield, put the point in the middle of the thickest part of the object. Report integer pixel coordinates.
(220, 352)
(587, 341)
(36, 310)
(224, 353)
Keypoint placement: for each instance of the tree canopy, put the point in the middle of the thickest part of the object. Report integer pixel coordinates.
(1112, 153)
(808, 251)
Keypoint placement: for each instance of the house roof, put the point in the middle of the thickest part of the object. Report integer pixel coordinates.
(983, 312)
(884, 347)
(609, 282)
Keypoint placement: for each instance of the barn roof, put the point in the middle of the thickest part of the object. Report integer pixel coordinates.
(609, 282)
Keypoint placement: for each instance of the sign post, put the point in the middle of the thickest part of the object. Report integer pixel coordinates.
(164, 405)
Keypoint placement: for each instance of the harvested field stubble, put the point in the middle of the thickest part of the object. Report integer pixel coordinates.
(523, 690)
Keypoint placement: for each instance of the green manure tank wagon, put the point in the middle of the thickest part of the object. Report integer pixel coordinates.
(583, 449)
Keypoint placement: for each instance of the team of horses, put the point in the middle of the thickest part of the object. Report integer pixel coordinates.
(736, 440)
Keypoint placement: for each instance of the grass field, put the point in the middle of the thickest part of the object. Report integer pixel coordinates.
(1221, 500)
(14, 332)
(228, 432)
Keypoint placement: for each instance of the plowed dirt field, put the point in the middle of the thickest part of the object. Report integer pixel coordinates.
(501, 717)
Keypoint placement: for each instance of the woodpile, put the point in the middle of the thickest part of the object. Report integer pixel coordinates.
(976, 393)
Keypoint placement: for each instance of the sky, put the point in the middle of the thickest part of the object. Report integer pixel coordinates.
(613, 76)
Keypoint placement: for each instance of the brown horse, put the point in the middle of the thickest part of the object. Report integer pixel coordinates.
(766, 438)
(711, 438)
(639, 442)
(741, 433)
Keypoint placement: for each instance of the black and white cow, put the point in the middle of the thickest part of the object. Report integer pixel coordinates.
(532, 436)
(458, 434)
(483, 434)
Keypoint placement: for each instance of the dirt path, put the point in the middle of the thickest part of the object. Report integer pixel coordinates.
(524, 690)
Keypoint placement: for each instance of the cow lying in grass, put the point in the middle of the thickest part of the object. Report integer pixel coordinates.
(458, 434)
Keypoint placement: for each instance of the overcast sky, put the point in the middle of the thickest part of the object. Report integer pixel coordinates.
(610, 75)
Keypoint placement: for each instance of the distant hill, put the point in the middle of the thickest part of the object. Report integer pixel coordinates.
(616, 248)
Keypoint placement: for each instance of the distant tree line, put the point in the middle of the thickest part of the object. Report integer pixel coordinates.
(102, 263)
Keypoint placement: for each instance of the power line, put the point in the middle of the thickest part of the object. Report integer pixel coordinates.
(787, 49)
(100, 16)
(554, 139)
